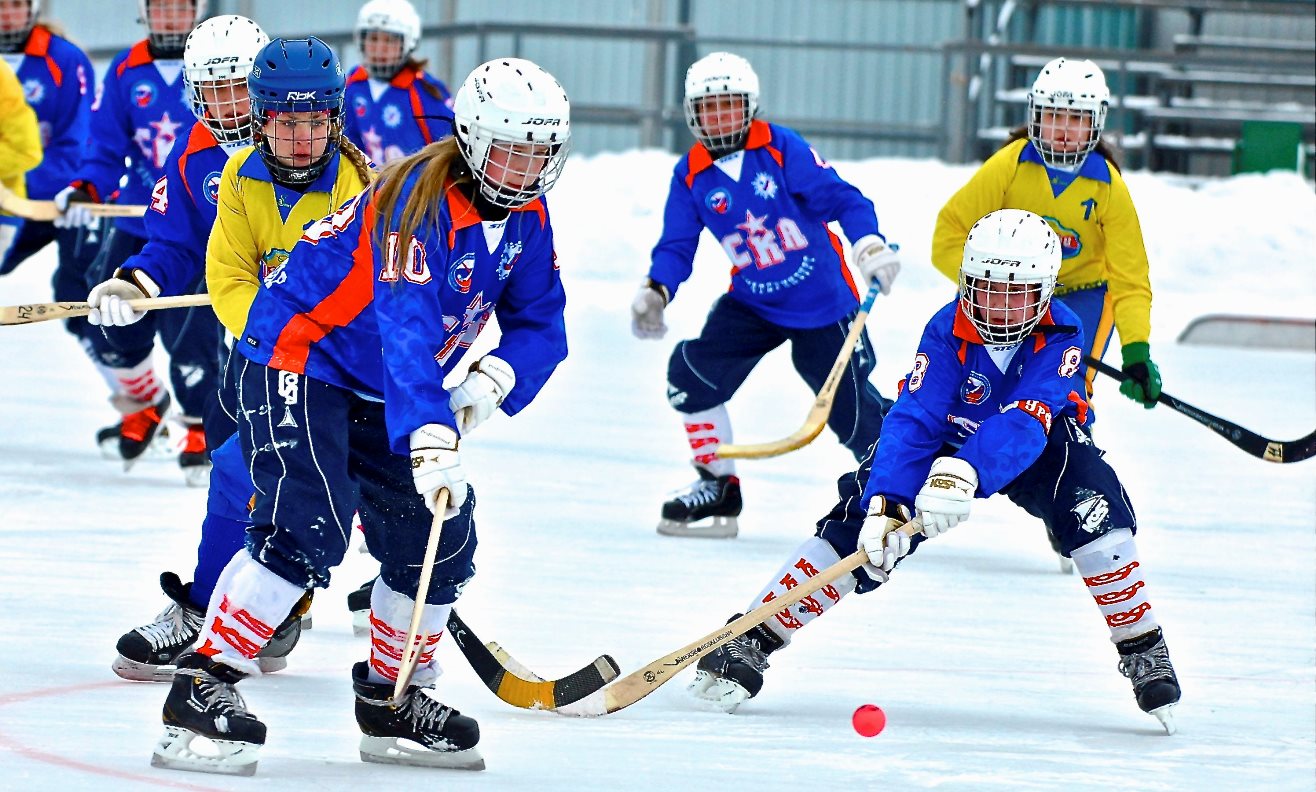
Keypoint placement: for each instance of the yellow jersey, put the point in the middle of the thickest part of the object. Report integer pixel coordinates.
(20, 138)
(258, 222)
(1092, 212)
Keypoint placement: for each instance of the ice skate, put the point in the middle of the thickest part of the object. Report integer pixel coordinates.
(194, 459)
(709, 508)
(1145, 660)
(733, 672)
(358, 602)
(416, 730)
(139, 428)
(208, 728)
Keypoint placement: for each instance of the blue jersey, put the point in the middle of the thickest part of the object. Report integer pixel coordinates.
(995, 404)
(771, 219)
(57, 81)
(390, 323)
(385, 119)
(181, 212)
(140, 111)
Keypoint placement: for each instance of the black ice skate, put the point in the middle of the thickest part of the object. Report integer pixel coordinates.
(1146, 662)
(417, 730)
(139, 429)
(203, 705)
(149, 653)
(194, 458)
(358, 602)
(709, 508)
(733, 672)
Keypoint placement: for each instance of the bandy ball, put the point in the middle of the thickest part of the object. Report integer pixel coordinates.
(869, 720)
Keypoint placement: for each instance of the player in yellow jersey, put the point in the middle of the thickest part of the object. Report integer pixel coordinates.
(1057, 166)
(20, 145)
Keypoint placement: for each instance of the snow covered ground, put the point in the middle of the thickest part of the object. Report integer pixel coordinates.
(995, 671)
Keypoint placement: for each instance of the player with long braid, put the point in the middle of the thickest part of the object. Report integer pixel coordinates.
(298, 172)
(394, 107)
(993, 404)
(342, 403)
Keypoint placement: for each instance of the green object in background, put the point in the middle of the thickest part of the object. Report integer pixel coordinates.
(1268, 145)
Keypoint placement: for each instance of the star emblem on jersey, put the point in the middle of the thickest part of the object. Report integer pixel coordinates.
(754, 226)
(463, 332)
(1092, 512)
(764, 185)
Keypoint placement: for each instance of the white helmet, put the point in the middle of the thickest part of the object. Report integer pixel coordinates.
(1067, 87)
(721, 74)
(169, 44)
(222, 50)
(397, 17)
(513, 107)
(14, 40)
(1011, 261)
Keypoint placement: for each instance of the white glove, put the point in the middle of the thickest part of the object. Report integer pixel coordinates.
(647, 312)
(108, 300)
(72, 204)
(876, 261)
(436, 465)
(943, 503)
(880, 538)
(489, 382)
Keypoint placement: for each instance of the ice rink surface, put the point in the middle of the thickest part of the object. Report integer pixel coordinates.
(995, 671)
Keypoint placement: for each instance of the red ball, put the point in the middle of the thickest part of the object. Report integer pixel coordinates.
(869, 720)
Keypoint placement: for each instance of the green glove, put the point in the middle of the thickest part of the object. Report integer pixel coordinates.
(1144, 382)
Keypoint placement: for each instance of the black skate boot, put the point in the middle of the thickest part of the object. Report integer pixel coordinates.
(148, 653)
(447, 737)
(194, 459)
(709, 508)
(734, 671)
(203, 703)
(139, 429)
(1146, 662)
(358, 602)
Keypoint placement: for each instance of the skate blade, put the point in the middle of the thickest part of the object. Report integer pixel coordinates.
(183, 749)
(134, 671)
(361, 623)
(1066, 565)
(268, 665)
(1165, 715)
(718, 693)
(708, 528)
(197, 475)
(392, 750)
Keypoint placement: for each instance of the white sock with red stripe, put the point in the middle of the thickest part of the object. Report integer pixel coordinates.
(706, 431)
(249, 602)
(1111, 570)
(390, 618)
(140, 383)
(809, 559)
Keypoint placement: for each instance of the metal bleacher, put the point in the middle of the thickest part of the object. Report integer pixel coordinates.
(1180, 107)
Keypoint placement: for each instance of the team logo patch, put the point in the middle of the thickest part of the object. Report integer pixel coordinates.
(1093, 512)
(143, 94)
(964, 426)
(764, 185)
(718, 200)
(976, 388)
(392, 116)
(459, 276)
(359, 106)
(1070, 244)
(271, 267)
(511, 252)
(211, 187)
(34, 91)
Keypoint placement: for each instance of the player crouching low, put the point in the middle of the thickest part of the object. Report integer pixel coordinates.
(992, 405)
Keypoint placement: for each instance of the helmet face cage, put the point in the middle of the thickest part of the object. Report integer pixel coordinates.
(396, 19)
(512, 123)
(721, 100)
(1067, 110)
(1008, 275)
(296, 76)
(217, 58)
(16, 39)
(170, 43)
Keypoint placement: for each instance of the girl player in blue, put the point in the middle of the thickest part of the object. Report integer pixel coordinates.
(394, 107)
(342, 404)
(767, 196)
(994, 403)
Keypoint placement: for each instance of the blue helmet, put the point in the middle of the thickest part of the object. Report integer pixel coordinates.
(296, 76)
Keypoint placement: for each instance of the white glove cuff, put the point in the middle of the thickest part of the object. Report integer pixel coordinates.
(435, 435)
(862, 244)
(141, 280)
(500, 372)
(954, 466)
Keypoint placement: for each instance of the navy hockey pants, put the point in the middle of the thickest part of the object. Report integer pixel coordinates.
(191, 335)
(706, 371)
(77, 248)
(317, 453)
(1070, 488)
